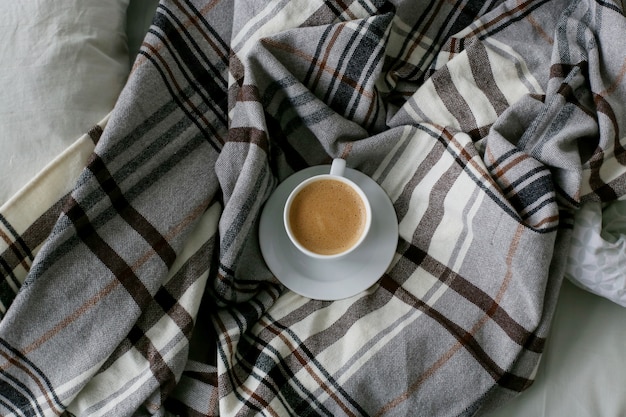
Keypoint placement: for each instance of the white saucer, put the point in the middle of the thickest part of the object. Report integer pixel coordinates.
(337, 278)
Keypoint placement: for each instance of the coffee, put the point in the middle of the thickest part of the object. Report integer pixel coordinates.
(327, 217)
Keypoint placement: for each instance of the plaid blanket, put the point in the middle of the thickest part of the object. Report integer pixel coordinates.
(132, 280)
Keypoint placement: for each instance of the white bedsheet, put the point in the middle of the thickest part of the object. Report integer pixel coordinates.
(582, 370)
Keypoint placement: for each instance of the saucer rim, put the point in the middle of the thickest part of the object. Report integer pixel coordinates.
(316, 288)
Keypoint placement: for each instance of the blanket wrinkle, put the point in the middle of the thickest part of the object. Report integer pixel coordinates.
(150, 296)
(308, 95)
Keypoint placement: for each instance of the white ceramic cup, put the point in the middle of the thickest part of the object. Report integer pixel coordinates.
(336, 173)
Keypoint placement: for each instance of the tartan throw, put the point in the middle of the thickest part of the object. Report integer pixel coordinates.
(133, 282)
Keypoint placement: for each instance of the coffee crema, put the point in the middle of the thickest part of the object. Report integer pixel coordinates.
(327, 217)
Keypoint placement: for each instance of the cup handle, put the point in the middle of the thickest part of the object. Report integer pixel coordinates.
(338, 167)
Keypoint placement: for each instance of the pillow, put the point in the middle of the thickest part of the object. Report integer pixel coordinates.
(597, 256)
(64, 63)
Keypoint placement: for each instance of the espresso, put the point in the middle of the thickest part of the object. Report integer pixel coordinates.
(327, 217)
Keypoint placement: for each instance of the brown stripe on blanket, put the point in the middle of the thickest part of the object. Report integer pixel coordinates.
(522, 10)
(562, 70)
(476, 296)
(333, 72)
(183, 278)
(465, 338)
(170, 305)
(18, 359)
(196, 18)
(248, 92)
(198, 116)
(234, 377)
(22, 248)
(479, 133)
(249, 135)
(208, 7)
(601, 189)
(540, 30)
(17, 248)
(324, 381)
(107, 255)
(499, 167)
(201, 379)
(616, 82)
(569, 94)
(454, 101)
(434, 213)
(158, 366)
(323, 63)
(604, 107)
(69, 319)
(402, 202)
(134, 219)
(209, 378)
(95, 133)
(237, 71)
(467, 155)
(404, 67)
(482, 74)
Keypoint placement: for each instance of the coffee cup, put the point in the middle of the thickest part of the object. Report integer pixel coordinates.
(327, 216)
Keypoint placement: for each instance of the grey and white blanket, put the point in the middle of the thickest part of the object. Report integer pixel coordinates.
(133, 283)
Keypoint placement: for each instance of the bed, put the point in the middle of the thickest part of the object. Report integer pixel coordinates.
(141, 140)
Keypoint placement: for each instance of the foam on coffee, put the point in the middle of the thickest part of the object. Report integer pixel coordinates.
(327, 217)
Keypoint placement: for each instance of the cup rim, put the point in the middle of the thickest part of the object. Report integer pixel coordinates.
(315, 178)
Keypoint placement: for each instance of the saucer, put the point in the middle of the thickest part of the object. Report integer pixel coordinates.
(332, 279)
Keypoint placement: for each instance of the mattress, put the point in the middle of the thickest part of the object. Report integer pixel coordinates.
(73, 91)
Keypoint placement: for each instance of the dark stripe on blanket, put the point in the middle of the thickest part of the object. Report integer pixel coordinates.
(476, 296)
(278, 379)
(31, 371)
(482, 74)
(191, 63)
(211, 133)
(134, 219)
(466, 340)
(19, 246)
(105, 254)
(454, 101)
(161, 371)
(21, 399)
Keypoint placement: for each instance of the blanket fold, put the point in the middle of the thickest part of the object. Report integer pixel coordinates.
(487, 123)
